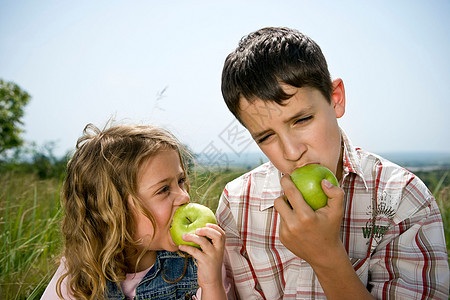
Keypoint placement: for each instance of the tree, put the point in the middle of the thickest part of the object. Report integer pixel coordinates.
(12, 101)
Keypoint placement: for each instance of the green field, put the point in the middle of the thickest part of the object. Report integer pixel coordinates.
(30, 218)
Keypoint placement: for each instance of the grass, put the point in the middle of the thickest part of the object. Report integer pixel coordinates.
(30, 217)
(207, 186)
(29, 230)
(443, 200)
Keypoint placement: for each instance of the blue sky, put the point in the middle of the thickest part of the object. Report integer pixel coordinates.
(86, 61)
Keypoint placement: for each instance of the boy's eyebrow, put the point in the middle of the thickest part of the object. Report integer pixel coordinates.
(258, 135)
(298, 115)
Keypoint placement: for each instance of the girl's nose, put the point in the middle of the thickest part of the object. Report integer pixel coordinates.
(183, 197)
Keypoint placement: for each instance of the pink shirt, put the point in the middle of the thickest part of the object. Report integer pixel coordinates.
(131, 282)
(128, 285)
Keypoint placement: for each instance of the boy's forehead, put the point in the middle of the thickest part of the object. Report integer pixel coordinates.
(250, 113)
(301, 96)
(257, 114)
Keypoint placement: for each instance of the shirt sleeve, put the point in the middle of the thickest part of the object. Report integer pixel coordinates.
(411, 262)
(50, 291)
(240, 273)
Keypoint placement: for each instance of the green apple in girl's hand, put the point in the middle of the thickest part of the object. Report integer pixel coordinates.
(187, 218)
(308, 180)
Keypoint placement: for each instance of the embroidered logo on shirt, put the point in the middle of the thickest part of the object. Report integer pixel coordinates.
(382, 214)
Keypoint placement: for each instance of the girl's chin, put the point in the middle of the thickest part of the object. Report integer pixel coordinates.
(173, 247)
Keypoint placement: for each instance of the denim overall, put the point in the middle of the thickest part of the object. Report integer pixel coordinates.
(168, 266)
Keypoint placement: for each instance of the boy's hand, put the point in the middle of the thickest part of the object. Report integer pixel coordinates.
(212, 242)
(311, 235)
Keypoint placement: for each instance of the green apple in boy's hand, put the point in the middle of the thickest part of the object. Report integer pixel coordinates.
(187, 218)
(308, 180)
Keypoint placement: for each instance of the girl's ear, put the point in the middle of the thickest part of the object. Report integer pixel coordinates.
(338, 97)
(131, 204)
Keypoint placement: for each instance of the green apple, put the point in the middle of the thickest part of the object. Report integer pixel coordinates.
(308, 180)
(187, 218)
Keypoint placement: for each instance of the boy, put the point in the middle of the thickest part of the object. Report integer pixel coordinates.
(381, 233)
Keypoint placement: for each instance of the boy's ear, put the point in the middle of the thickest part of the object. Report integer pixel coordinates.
(338, 97)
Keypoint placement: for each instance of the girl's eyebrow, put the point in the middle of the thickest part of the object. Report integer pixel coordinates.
(164, 180)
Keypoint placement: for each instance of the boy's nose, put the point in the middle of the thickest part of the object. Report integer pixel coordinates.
(293, 149)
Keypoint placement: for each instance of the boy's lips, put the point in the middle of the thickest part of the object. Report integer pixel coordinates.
(302, 165)
(305, 164)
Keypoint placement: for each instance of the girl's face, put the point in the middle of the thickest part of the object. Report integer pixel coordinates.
(162, 189)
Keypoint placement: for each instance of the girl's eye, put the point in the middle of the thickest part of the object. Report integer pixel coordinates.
(182, 181)
(163, 190)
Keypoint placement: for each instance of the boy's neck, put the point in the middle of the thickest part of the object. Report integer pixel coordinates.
(340, 165)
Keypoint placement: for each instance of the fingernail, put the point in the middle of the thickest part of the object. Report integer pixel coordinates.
(327, 183)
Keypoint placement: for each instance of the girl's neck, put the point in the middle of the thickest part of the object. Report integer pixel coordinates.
(146, 261)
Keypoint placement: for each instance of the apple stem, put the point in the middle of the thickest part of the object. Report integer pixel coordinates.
(189, 220)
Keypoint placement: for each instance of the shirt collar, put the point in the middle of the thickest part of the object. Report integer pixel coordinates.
(271, 187)
(350, 159)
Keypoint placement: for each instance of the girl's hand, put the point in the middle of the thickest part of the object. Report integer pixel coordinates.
(211, 239)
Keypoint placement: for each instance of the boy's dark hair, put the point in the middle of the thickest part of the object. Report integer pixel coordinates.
(268, 57)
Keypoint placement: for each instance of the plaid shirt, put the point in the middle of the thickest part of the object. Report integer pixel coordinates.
(392, 231)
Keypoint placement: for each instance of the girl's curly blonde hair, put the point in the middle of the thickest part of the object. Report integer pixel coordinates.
(98, 225)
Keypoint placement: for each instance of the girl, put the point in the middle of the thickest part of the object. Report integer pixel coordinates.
(122, 188)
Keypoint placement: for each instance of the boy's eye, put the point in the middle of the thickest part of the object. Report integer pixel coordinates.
(262, 139)
(303, 120)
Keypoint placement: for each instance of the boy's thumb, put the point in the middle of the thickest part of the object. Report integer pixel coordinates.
(327, 184)
(332, 191)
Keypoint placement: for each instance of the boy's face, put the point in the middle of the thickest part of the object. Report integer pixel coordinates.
(303, 131)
